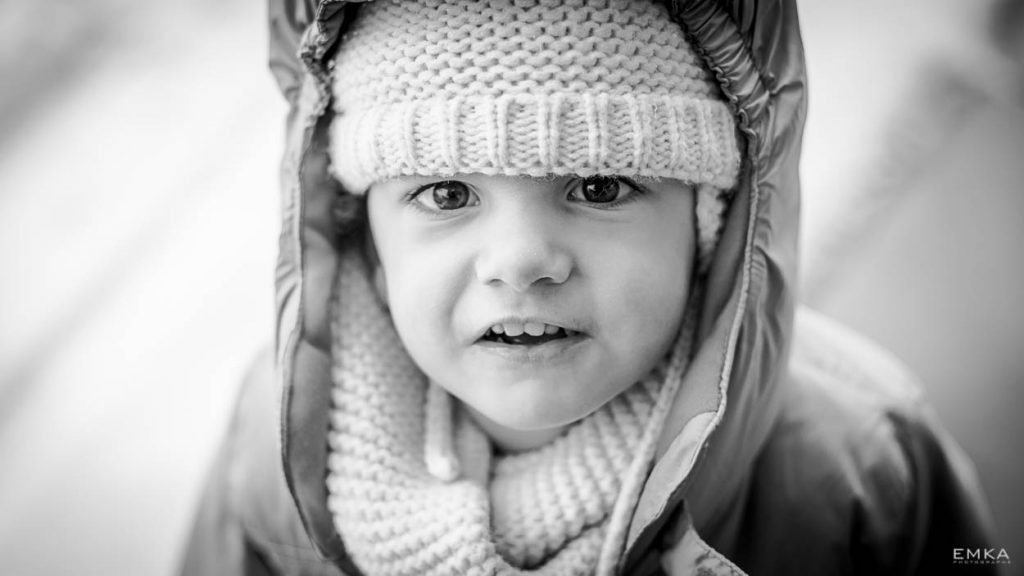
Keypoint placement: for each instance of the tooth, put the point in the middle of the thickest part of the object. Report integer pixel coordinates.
(549, 329)
(534, 328)
(513, 329)
(498, 329)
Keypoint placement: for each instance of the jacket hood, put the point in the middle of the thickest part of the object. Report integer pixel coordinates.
(726, 405)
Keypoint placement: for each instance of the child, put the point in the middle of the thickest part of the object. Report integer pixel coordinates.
(536, 314)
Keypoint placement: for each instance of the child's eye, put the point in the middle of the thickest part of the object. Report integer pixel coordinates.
(603, 190)
(446, 195)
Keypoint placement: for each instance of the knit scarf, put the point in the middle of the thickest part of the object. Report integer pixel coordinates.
(415, 490)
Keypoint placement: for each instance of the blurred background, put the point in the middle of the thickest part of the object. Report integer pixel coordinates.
(139, 145)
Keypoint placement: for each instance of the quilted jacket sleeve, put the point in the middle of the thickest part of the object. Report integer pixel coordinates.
(916, 493)
(247, 522)
(947, 511)
(218, 545)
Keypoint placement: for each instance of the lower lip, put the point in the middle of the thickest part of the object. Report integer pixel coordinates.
(550, 352)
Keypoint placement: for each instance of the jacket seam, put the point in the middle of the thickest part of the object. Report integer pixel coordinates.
(287, 550)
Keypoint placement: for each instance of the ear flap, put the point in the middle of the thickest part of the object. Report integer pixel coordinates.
(709, 207)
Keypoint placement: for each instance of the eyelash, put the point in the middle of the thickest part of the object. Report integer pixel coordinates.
(410, 199)
(634, 192)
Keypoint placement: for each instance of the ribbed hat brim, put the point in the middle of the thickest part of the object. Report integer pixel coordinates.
(683, 137)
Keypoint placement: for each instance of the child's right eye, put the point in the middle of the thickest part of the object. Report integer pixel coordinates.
(446, 195)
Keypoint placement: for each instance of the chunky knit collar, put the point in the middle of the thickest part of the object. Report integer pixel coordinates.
(413, 486)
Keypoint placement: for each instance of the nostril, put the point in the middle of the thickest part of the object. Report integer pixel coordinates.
(522, 270)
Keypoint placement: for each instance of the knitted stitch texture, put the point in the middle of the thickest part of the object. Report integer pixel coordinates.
(525, 87)
(548, 511)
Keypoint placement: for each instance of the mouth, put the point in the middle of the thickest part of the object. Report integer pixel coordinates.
(526, 333)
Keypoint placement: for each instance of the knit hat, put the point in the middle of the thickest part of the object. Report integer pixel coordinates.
(529, 88)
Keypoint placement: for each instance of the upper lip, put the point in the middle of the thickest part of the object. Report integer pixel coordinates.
(537, 319)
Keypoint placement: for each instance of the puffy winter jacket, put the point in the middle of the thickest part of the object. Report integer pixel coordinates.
(793, 447)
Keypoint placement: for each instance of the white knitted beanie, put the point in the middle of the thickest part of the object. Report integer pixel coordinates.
(529, 88)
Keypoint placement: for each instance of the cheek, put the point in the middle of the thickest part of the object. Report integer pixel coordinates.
(412, 279)
(417, 293)
(423, 286)
(658, 296)
(651, 283)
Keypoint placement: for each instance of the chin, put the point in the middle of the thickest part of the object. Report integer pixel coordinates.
(526, 421)
(533, 414)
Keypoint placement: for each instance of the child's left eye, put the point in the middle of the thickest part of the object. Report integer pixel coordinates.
(445, 196)
(602, 190)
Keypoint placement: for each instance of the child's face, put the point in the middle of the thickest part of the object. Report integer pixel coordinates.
(534, 300)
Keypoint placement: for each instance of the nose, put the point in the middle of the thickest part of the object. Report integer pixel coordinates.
(523, 249)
